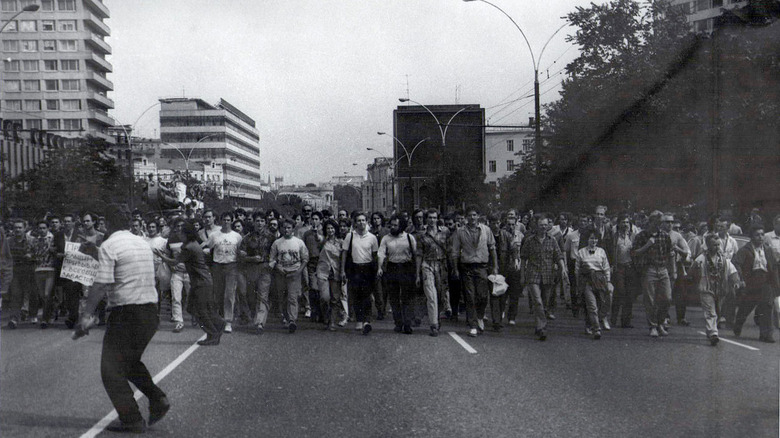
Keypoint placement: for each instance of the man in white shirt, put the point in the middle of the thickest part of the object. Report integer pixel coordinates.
(288, 259)
(772, 239)
(361, 247)
(223, 246)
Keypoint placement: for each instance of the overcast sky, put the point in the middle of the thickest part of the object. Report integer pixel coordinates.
(322, 77)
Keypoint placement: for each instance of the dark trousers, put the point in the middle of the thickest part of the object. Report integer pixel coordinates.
(513, 294)
(497, 308)
(205, 310)
(130, 328)
(577, 301)
(756, 296)
(679, 290)
(71, 292)
(455, 293)
(22, 284)
(400, 289)
(625, 282)
(360, 286)
(475, 291)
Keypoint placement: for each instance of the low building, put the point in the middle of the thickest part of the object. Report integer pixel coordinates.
(505, 148)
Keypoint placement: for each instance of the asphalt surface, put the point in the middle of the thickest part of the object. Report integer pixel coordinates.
(316, 383)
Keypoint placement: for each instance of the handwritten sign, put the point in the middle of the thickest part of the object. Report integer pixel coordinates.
(78, 266)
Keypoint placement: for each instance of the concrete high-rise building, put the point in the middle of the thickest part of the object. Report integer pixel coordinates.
(702, 13)
(198, 132)
(55, 67)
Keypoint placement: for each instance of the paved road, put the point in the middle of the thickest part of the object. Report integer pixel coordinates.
(317, 383)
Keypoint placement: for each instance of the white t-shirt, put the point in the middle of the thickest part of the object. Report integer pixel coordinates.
(156, 242)
(224, 246)
(363, 246)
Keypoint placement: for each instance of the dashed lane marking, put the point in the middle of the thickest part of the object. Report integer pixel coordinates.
(462, 343)
(111, 416)
(735, 343)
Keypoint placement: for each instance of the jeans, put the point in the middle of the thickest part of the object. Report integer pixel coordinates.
(361, 287)
(596, 304)
(657, 293)
(22, 285)
(289, 282)
(45, 282)
(538, 296)
(475, 291)
(400, 288)
(260, 276)
(130, 328)
(434, 280)
(330, 299)
(225, 282)
(180, 289)
(709, 304)
(513, 294)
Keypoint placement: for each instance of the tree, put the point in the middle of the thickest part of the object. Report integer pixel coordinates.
(349, 197)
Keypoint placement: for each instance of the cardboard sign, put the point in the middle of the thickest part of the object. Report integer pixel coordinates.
(77, 266)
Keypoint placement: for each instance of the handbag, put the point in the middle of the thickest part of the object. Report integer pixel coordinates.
(349, 265)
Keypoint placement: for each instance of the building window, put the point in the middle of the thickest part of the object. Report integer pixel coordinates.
(47, 5)
(10, 45)
(53, 123)
(510, 145)
(12, 26)
(71, 104)
(31, 85)
(69, 65)
(12, 86)
(510, 165)
(70, 85)
(66, 5)
(52, 104)
(49, 46)
(32, 105)
(25, 3)
(492, 166)
(27, 26)
(526, 144)
(29, 46)
(67, 25)
(30, 65)
(8, 5)
(34, 124)
(13, 105)
(47, 25)
(71, 124)
(49, 65)
(67, 45)
(51, 85)
(10, 65)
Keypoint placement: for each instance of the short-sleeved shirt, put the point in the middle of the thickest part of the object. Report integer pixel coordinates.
(398, 249)
(542, 257)
(659, 255)
(473, 245)
(363, 247)
(432, 246)
(224, 246)
(127, 267)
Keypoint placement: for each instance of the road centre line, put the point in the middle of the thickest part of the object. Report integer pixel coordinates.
(111, 416)
(735, 343)
(462, 343)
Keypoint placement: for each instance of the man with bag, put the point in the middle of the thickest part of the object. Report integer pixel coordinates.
(359, 269)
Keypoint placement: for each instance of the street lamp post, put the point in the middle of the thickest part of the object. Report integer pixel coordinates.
(189, 154)
(537, 110)
(28, 8)
(407, 154)
(443, 132)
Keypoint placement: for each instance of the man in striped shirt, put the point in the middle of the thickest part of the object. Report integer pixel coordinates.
(126, 279)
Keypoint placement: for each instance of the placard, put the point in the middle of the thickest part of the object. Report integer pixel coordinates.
(78, 266)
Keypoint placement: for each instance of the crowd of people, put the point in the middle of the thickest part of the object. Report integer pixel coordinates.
(236, 269)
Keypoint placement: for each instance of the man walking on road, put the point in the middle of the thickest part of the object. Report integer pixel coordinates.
(126, 278)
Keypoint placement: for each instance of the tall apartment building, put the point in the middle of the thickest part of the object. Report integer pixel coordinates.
(54, 68)
(702, 13)
(198, 132)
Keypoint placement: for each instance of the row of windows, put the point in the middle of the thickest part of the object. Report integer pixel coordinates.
(51, 124)
(46, 5)
(46, 26)
(12, 65)
(510, 166)
(11, 86)
(12, 46)
(48, 104)
(206, 121)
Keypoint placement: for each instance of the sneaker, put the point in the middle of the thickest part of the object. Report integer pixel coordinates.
(136, 427)
(597, 335)
(307, 314)
(605, 324)
(342, 323)
(662, 331)
(359, 326)
(258, 329)
(480, 325)
(653, 332)
(588, 331)
(366, 328)
(34, 320)
(434, 331)
(473, 333)
(512, 322)
(228, 327)
(158, 409)
(714, 340)
(292, 327)
(179, 327)
(13, 323)
(285, 323)
(331, 328)
(551, 316)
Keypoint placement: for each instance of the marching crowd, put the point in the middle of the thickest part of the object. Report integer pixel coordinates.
(237, 269)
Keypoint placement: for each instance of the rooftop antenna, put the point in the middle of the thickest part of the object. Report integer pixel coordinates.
(408, 95)
(457, 94)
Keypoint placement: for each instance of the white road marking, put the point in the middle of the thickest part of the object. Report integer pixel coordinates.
(735, 343)
(111, 416)
(462, 343)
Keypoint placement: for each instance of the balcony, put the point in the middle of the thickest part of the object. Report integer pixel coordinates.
(100, 99)
(102, 135)
(97, 7)
(101, 81)
(98, 44)
(100, 64)
(101, 116)
(96, 24)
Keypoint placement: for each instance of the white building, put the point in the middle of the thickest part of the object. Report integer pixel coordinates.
(701, 13)
(505, 148)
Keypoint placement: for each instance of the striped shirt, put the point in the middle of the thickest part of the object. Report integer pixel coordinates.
(127, 266)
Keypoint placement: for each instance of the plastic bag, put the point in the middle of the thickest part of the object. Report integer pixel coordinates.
(498, 285)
